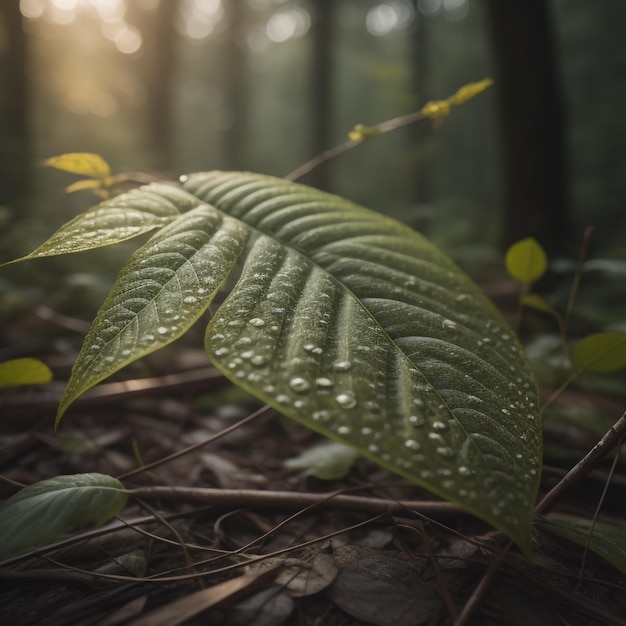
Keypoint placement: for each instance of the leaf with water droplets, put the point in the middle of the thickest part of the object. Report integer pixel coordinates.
(361, 329)
(119, 219)
(344, 320)
(162, 290)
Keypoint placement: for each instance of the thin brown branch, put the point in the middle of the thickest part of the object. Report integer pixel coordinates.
(196, 446)
(611, 440)
(371, 131)
(291, 500)
(202, 378)
(482, 588)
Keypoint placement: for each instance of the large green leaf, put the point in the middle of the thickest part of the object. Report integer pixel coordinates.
(358, 327)
(121, 218)
(44, 510)
(344, 320)
(162, 290)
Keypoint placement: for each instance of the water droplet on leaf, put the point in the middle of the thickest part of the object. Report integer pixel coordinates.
(299, 385)
(324, 383)
(416, 420)
(346, 400)
(446, 452)
(342, 366)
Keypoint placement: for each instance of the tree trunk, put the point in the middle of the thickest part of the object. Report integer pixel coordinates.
(162, 72)
(321, 88)
(532, 121)
(15, 144)
(421, 132)
(234, 84)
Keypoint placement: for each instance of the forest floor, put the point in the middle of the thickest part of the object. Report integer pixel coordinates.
(234, 536)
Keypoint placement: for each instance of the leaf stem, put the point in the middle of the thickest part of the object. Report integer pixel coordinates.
(582, 257)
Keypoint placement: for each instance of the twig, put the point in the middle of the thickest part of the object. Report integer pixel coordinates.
(582, 257)
(481, 590)
(196, 446)
(595, 516)
(435, 111)
(200, 378)
(372, 131)
(291, 500)
(611, 439)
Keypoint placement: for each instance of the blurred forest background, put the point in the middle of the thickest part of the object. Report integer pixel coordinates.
(175, 86)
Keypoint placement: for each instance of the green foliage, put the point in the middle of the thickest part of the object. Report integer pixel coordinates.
(328, 460)
(17, 372)
(342, 319)
(601, 352)
(536, 302)
(605, 540)
(526, 261)
(41, 512)
(83, 163)
(116, 220)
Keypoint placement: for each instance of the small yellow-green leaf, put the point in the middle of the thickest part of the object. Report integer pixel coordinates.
(469, 91)
(361, 132)
(437, 109)
(605, 540)
(41, 512)
(84, 163)
(526, 261)
(533, 301)
(328, 460)
(80, 185)
(602, 352)
(23, 372)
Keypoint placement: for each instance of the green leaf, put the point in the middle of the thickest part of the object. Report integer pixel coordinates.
(18, 372)
(605, 540)
(328, 460)
(162, 290)
(526, 261)
(121, 218)
(602, 352)
(344, 320)
(85, 163)
(41, 512)
(533, 301)
(361, 329)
